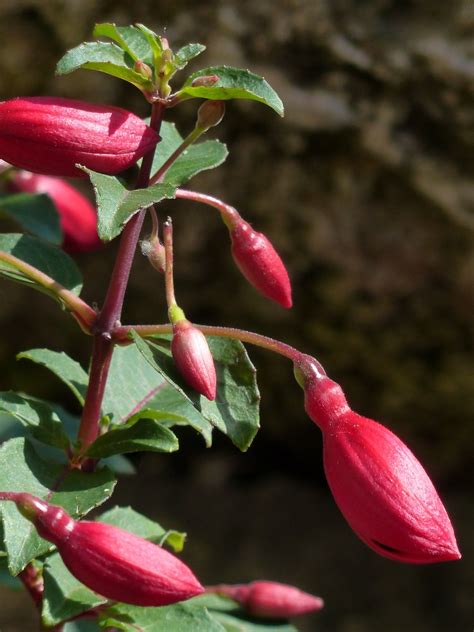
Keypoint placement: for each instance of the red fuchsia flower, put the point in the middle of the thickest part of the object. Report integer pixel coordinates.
(260, 263)
(271, 600)
(379, 485)
(108, 560)
(77, 215)
(193, 358)
(50, 135)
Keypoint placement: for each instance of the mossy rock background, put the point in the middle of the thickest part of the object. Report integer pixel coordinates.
(364, 189)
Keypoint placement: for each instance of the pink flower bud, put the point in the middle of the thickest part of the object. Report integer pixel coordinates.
(271, 599)
(77, 215)
(205, 81)
(380, 487)
(259, 262)
(51, 135)
(112, 562)
(193, 358)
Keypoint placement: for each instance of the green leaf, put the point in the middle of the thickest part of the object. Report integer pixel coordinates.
(198, 157)
(48, 259)
(37, 415)
(180, 617)
(21, 469)
(64, 367)
(130, 38)
(64, 596)
(129, 519)
(134, 385)
(34, 213)
(136, 435)
(154, 41)
(186, 53)
(103, 57)
(86, 625)
(235, 619)
(235, 411)
(234, 83)
(116, 204)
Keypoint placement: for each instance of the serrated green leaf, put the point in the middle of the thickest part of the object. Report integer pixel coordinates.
(116, 204)
(180, 617)
(48, 259)
(145, 434)
(234, 83)
(22, 470)
(64, 367)
(235, 411)
(134, 385)
(37, 415)
(235, 619)
(103, 57)
(198, 157)
(186, 53)
(130, 38)
(129, 519)
(34, 213)
(64, 596)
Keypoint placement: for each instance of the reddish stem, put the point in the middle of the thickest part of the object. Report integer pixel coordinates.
(111, 311)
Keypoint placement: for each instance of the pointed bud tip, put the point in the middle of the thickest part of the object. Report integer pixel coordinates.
(193, 358)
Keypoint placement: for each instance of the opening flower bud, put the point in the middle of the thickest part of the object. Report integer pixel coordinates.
(108, 560)
(210, 114)
(77, 215)
(271, 600)
(259, 262)
(193, 358)
(50, 135)
(379, 485)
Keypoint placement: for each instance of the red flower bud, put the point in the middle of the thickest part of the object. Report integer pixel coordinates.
(77, 215)
(112, 562)
(51, 135)
(259, 262)
(379, 485)
(270, 599)
(193, 358)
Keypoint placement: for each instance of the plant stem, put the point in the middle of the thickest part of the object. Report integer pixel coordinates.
(111, 311)
(229, 213)
(146, 331)
(83, 312)
(169, 274)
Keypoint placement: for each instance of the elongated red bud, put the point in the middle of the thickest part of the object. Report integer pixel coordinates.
(379, 485)
(112, 562)
(271, 600)
(193, 358)
(259, 262)
(50, 135)
(77, 215)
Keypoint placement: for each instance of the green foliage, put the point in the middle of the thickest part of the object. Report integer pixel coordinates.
(198, 157)
(22, 469)
(131, 39)
(235, 409)
(186, 53)
(234, 83)
(36, 214)
(46, 258)
(116, 204)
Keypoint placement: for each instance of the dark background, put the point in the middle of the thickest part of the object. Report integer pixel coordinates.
(364, 189)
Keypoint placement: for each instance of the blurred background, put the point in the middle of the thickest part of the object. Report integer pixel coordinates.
(364, 189)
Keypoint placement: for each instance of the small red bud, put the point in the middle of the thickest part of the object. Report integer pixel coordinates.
(51, 135)
(205, 81)
(271, 599)
(259, 262)
(77, 215)
(193, 358)
(379, 485)
(210, 114)
(112, 562)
